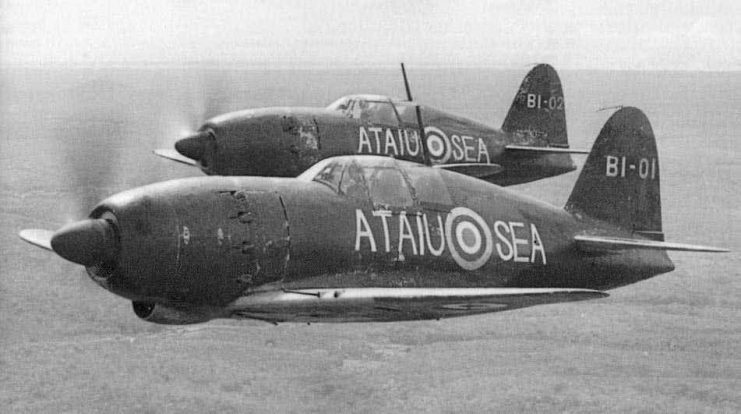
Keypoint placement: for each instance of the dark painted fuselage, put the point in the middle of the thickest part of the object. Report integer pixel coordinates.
(284, 142)
(208, 241)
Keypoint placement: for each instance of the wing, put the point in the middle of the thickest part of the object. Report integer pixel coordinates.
(602, 244)
(473, 170)
(395, 304)
(542, 150)
(173, 155)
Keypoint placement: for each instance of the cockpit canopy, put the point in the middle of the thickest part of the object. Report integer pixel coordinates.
(385, 182)
(376, 109)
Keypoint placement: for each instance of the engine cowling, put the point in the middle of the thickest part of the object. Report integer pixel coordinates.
(157, 313)
(199, 242)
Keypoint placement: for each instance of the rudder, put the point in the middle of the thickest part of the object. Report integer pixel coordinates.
(619, 183)
(537, 115)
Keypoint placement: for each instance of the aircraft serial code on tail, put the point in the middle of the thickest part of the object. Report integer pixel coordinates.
(616, 166)
(538, 101)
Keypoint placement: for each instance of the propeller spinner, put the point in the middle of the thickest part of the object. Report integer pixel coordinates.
(193, 146)
(86, 242)
(191, 150)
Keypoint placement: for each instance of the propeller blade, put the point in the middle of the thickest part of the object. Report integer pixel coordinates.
(37, 237)
(173, 155)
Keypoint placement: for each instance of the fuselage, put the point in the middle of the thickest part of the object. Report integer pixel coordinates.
(208, 241)
(285, 141)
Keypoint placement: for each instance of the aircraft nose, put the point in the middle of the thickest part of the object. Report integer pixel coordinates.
(193, 146)
(86, 242)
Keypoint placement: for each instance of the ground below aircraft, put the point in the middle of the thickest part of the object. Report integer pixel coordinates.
(369, 238)
(283, 142)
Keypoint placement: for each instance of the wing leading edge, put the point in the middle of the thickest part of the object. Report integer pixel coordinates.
(395, 304)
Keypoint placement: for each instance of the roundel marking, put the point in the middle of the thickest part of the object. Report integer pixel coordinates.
(468, 238)
(438, 144)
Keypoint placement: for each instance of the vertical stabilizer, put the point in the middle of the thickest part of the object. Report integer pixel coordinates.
(537, 116)
(619, 183)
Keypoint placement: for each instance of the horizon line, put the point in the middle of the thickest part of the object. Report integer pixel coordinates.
(298, 66)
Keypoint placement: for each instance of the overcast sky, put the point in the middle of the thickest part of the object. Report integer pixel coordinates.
(703, 35)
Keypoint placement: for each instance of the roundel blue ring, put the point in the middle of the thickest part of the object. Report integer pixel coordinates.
(486, 248)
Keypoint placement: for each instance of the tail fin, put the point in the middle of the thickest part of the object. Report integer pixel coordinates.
(620, 180)
(537, 116)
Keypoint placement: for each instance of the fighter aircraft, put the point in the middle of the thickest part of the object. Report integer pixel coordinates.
(370, 238)
(283, 142)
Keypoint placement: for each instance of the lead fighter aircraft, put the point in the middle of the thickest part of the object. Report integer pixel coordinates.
(364, 238)
(283, 142)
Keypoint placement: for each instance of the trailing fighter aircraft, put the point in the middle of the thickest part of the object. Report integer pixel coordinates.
(370, 238)
(283, 142)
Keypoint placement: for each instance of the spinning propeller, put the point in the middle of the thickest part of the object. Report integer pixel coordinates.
(193, 145)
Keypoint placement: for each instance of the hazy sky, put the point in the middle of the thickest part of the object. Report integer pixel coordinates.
(608, 34)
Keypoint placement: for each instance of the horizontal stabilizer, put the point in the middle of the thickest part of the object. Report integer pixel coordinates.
(598, 244)
(173, 155)
(394, 304)
(473, 169)
(543, 150)
(37, 237)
